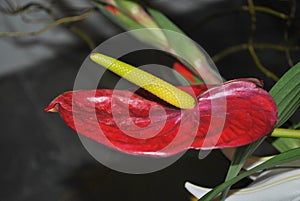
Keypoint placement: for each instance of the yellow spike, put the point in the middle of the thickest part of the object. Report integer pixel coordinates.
(147, 81)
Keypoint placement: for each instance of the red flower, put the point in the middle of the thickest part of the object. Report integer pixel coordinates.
(247, 114)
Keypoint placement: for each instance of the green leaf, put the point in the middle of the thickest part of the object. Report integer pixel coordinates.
(181, 45)
(286, 93)
(163, 21)
(125, 21)
(240, 156)
(296, 126)
(120, 18)
(194, 58)
(285, 157)
(285, 144)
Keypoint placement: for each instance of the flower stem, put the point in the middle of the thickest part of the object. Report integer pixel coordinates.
(49, 26)
(244, 46)
(286, 133)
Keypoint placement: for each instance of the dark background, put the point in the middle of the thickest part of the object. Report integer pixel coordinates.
(42, 159)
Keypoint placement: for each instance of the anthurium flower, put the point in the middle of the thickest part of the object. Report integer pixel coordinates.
(250, 114)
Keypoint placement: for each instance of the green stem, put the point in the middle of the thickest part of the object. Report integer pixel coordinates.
(266, 10)
(286, 133)
(81, 34)
(217, 15)
(251, 48)
(64, 20)
(260, 66)
(244, 46)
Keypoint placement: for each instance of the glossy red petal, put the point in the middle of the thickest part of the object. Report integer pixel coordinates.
(250, 114)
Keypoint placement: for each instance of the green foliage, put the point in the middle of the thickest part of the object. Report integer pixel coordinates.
(240, 156)
(282, 158)
(286, 93)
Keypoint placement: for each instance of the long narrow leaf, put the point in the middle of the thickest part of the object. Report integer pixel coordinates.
(241, 155)
(286, 93)
(284, 144)
(194, 58)
(285, 157)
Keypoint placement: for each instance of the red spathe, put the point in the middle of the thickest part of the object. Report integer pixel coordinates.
(232, 114)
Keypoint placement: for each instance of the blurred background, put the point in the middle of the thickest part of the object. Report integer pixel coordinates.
(42, 159)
